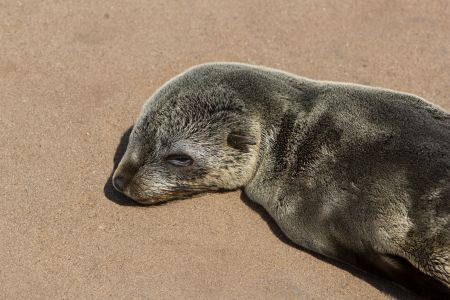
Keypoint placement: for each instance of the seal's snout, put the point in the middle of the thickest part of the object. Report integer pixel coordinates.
(124, 175)
(121, 180)
(119, 183)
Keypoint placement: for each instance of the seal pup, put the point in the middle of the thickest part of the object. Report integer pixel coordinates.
(355, 173)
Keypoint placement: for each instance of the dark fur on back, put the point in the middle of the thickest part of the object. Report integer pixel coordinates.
(356, 173)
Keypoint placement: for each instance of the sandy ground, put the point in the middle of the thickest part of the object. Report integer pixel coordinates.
(73, 77)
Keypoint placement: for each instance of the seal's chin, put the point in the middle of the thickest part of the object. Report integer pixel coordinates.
(145, 199)
(150, 201)
(161, 198)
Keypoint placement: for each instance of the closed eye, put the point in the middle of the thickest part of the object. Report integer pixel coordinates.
(179, 160)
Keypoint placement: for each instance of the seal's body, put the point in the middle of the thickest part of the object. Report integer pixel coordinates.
(355, 173)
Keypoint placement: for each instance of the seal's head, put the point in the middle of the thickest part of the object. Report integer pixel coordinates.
(192, 136)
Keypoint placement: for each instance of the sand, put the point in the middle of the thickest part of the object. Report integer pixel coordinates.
(73, 78)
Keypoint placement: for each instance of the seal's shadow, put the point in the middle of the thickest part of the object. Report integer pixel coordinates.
(382, 285)
(109, 190)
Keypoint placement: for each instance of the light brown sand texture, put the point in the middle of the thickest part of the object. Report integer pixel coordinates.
(73, 78)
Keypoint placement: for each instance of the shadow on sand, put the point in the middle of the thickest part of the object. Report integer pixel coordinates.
(382, 285)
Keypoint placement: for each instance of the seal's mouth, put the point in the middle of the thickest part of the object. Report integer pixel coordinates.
(162, 198)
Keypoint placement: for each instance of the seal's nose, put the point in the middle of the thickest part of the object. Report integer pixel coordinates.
(119, 183)
(124, 174)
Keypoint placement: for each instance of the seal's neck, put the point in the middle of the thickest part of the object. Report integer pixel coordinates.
(261, 188)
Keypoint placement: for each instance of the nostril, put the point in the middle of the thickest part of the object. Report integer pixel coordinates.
(119, 183)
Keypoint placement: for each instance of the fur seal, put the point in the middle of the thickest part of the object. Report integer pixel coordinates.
(356, 173)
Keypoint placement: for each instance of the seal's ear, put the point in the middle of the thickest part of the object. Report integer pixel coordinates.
(240, 141)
